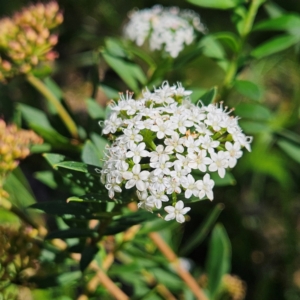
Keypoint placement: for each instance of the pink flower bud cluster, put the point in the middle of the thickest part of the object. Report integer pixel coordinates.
(26, 39)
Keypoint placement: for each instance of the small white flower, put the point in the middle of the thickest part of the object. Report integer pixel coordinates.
(137, 152)
(158, 198)
(191, 186)
(136, 178)
(182, 123)
(163, 128)
(177, 212)
(192, 144)
(160, 154)
(112, 124)
(205, 187)
(132, 135)
(161, 167)
(234, 153)
(199, 160)
(220, 163)
(175, 142)
(208, 143)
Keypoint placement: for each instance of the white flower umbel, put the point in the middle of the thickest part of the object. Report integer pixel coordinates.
(162, 151)
(167, 28)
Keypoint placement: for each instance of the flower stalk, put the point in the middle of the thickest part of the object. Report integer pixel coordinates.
(64, 115)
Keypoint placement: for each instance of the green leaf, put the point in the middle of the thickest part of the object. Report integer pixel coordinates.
(227, 180)
(123, 223)
(275, 45)
(254, 127)
(219, 257)
(81, 211)
(71, 233)
(212, 47)
(54, 158)
(40, 148)
(109, 92)
(290, 149)
(217, 4)
(79, 167)
(274, 10)
(114, 47)
(95, 110)
(47, 178)
(202, 231)
(38, 121)
(130, 73)
(93, 198)
(91, 155)
(99, 142)
(209, 96)
(87, 256)
(248, 89)
(252, 111)
(228, 38)
(287, 22)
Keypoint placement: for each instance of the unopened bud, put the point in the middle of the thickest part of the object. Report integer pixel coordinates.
(53, 39)
(30, 34)
(6, 65)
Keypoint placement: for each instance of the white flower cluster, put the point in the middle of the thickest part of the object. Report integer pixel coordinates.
(160, 140)
(168, 28)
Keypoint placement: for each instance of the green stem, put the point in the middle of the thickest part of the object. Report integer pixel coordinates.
(42, 88)
(233, 66)
(255, 4)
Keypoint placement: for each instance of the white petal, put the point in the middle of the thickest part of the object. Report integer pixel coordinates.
(221, 172)
(140, 185)
(180, 218)
(169, 209)
(170, 217)
(179, 205)
(130, 184)
(185, 210)
(136, 169)
(127, 175)
(144, 175)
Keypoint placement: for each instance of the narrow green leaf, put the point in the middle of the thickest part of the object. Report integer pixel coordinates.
(217, 4)
(53, 158)
(209, 96)
(288, 22)
(248, 89)
(93, 198)
(79, 167)
(202, 231)
(109, 92)
(95, 110)
(61, 208)
(254, 127)
(114, 47)
(227, 180)
(40, 148)
(130, 73)
(253, 111)
(91, 155)
(123, 223)
(219, 259)
(290, 149)
(87, 256)
(275, 45)
(38, 121)
(228, 38)
(100, 143)
(71, 233)
(47, 178)
(212, 47)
